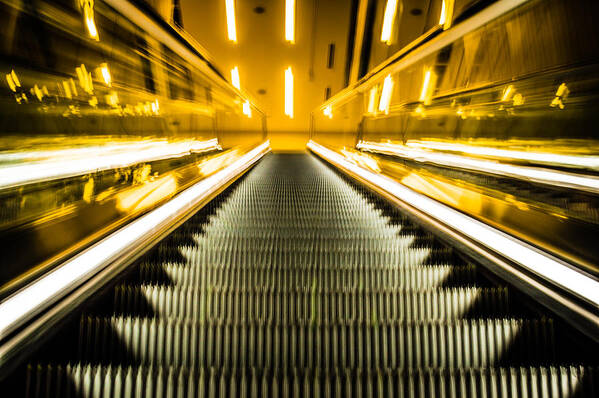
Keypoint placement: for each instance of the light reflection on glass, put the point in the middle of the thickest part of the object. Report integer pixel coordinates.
(546, 176)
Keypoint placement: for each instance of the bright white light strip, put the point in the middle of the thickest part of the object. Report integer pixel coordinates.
(521, 253)
(544, 176)
(106, 74)
(98, 158)
(591, 162)
(424, 93)
(289, 92)
(231, 28)
(60, 281)
(446, 13)
(443, 13)
(386, 93)
(372, 100)
(388, 19)
(290, 21)
(235, 78)
(247, 109)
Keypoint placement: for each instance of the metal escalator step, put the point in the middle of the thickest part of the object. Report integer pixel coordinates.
(315, 257)
(310, 304)
(298, 283)
(462, 343)
(104, 381)
(340, 277)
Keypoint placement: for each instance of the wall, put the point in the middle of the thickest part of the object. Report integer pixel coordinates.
(262, 55)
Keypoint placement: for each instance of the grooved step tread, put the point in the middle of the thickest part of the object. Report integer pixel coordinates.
(295, 282)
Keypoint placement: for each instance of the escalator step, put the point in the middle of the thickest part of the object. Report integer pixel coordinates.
(463, 343)
(332, 278)
(104, 381)
(297, 283)
(310, 304)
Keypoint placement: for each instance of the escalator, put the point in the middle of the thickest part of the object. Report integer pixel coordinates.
(297, 282)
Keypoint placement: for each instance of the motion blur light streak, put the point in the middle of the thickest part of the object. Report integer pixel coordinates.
(289, 92)
(372, 100)
(550, 159)
(386, 94)
(507, 93)
(542, 264)
(560, 95)
(247, 110)
(106, 74)
(231, 28)
(446, 14)
(13, 81)
(428, 86)
(290, 21)
(88, 15)
(15, 78)
(85, 79)
(55, 284)
(235, 78)
(556, 178)
(389, 18)
(89, 160)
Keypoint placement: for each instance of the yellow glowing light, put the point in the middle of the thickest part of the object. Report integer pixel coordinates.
(328, 112)
(112, 99)
(428, 86)
(73, 86)
(15, 78)
(37, 92)
(557, 102)
(560, 95)
(390, 11)
(290, 21)
(85, 79)
(247, 109)
(420, 111)
(518, 99)
(235, 78)
(507, 93)
(88, 15)
(386, 93)
(562, 90)
(155, 107)
(289, 92)
(231, 29)
(11, 83)
(106, 74)
(88, 190)
(446, 14)
(372, 100)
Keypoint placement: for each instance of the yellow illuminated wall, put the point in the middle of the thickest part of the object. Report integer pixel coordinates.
(262, 54)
